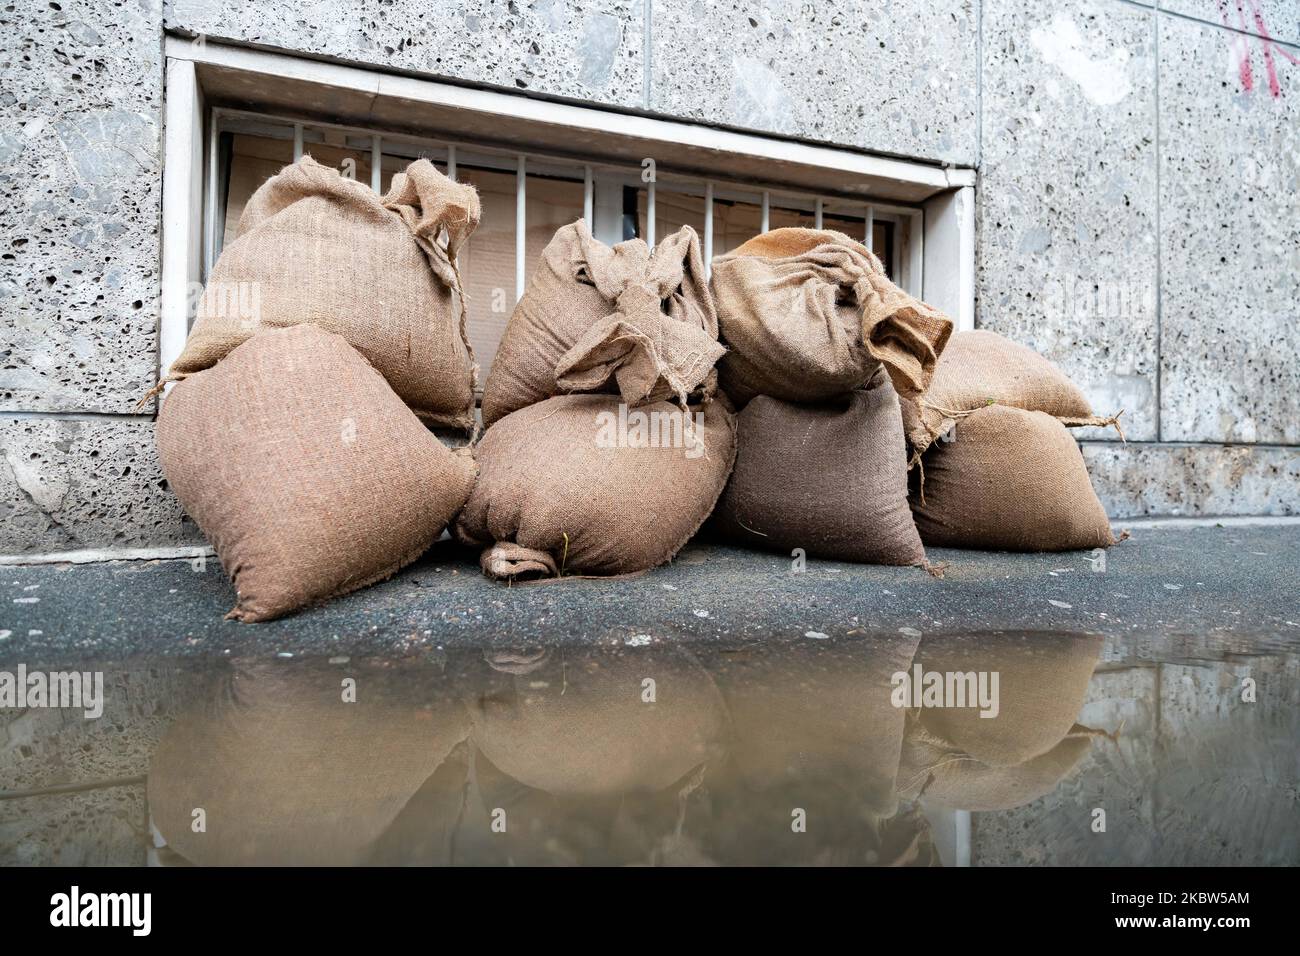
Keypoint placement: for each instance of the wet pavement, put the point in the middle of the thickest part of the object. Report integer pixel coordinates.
(728, 709)
(1189, 581)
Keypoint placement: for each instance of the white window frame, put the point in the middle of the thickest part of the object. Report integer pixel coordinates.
(932, 207)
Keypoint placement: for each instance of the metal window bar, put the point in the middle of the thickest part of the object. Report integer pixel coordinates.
(650, 214)
(588, 197)
(521, 224)
(906, 220)
(708, 229)
(210, 223)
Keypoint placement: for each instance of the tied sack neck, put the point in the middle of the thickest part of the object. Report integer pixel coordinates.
(661, 339)
(429, 203)
(898, 330)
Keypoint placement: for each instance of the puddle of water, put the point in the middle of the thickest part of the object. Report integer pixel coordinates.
(911, 750)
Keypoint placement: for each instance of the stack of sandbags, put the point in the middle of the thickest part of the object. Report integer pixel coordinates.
(330, 334)
(953, 757)
(617, 476)
(999, 468)
(822, 344)
(316, 247)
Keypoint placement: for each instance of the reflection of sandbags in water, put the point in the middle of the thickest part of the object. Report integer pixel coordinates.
(947, 777)
(581, 723)
(538, 828)
(810, 774)
(817, 710)
(426, 832)
(1042, 682)
(741, 828)
(954, 757)
(286, 772)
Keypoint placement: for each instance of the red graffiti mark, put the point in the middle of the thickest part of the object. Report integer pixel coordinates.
(1268, 45)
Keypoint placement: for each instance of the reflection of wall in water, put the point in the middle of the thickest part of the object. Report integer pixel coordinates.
(1198, 777)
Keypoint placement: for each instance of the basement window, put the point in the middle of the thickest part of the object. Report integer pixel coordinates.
(235, 117)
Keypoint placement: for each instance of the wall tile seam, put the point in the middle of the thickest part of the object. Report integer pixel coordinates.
(647, 53)
(1154, 7)
(979, 99)
(1160, 258)
(11, 416)
(1172, 443)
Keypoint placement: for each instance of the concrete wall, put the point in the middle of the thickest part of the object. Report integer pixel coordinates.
(1136, 211)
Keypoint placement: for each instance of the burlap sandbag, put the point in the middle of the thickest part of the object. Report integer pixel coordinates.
(560, 492)
(601, 319)
(809, 315)
(287, 772)
(830, 478)
(981, 368)
(305, 470)
(1009, 480)
(316, 247)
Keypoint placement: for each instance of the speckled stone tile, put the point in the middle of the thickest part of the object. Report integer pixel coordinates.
(80, 184)
(48, 746)
(1227, 792)
(590, 50)
(1230, 244)
(897, 78)
(89, 828)
(1279, 19)
(1066, 246)
(1199, 480)
(67, 485)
